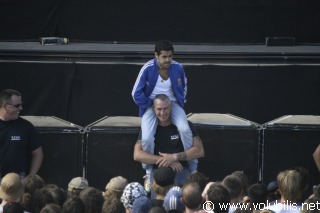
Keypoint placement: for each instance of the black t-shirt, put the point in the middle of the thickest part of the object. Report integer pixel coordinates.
(168, 140)
(17, 138)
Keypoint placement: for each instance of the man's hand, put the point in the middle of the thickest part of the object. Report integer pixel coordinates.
(170, 160)
(177, 167)
(167, 159)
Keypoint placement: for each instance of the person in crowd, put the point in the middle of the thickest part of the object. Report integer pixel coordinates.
(162, 182)
(168, 149)
(13, 207)
(244, 180)
(31, 183)
(16, 130)
(316, 191)
(257, 197)
(242, 210)
(39, 199)
(73, 205)
(219, 196)
(235, 188)
(11, 189)
(92, 199)
(273, 192)
(199, 178)
(157, 209)
(191, 198)
(173, 200)
(113, 206)
(114, 188)
(131, 192)
(316, 157)
(112, 195)
(311, 205)
(142, 205)
(51, 208)
(162, 75)
(76, 185)
(58, 194)
(304, 183)
(205, 191)
(290, 189)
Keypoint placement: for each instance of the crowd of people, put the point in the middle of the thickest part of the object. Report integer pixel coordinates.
(232, 194)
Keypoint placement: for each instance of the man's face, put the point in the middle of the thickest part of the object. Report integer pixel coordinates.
(13, 107)
(162, 109)
(164, 59)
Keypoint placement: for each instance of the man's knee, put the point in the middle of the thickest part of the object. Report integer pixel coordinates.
(184, 129)
(147, 138)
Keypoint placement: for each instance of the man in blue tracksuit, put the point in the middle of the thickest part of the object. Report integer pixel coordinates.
(162, 75)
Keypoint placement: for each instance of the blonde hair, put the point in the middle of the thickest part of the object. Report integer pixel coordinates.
(111, 194)
(289, 185)
(160, 190)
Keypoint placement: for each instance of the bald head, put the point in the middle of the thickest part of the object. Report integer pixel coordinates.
(191, 195)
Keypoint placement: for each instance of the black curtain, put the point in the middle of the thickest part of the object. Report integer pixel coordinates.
(84, 92)
(206, 21)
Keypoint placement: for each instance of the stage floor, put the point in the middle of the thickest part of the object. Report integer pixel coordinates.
(139, 52)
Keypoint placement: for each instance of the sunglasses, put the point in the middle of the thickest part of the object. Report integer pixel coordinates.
(16, 106)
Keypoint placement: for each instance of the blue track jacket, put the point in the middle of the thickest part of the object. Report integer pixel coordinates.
(147, 79)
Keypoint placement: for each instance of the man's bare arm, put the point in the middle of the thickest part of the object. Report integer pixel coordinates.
(36, 162)
(142, 156)
(195, 152)
(316, 157)
(147, 158)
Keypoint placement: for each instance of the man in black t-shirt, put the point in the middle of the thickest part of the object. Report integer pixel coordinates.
(17, 137)
(168, 149)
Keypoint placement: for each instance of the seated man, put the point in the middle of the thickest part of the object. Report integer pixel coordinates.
(168, 149)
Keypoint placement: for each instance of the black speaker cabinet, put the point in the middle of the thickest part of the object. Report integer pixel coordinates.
(110, 143)
(62, 147)
(289, 142)
(231, 143)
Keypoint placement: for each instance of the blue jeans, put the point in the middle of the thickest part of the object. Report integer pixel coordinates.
(181, 177)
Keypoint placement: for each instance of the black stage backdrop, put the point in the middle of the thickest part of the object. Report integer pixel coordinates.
(204, 21)
(256, 93)
(85, 92)
(45, 86)
(101, 90)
